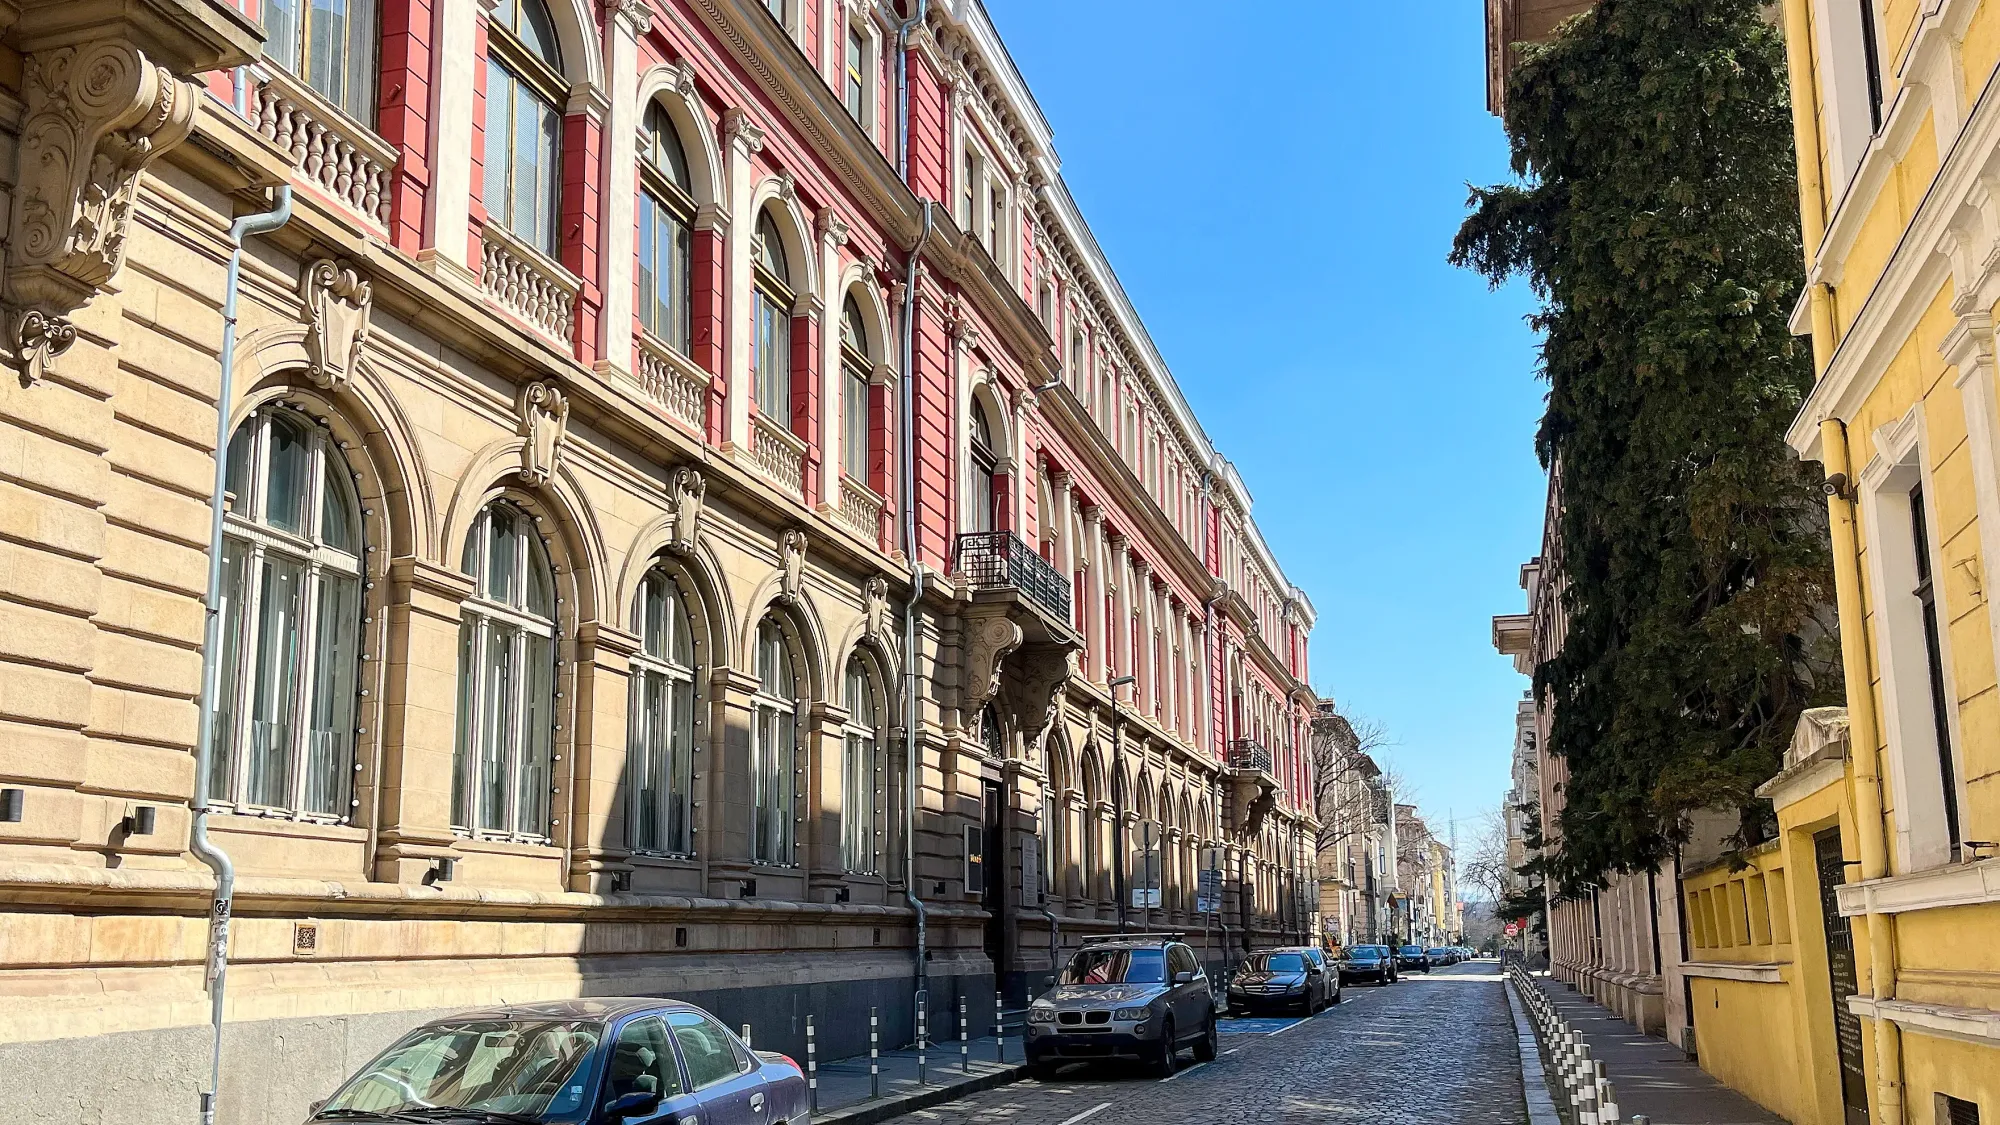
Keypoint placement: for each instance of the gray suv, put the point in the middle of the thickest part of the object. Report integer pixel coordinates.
(1131, 996)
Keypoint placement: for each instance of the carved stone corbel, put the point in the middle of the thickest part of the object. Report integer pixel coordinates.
(792, 558)
(545, 423)
(337, 301)
(96, 115)
(738, 129)
(1042, 680)
(988, 640)
(685, 495)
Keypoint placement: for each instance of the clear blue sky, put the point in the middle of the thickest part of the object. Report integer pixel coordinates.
(1278, 195)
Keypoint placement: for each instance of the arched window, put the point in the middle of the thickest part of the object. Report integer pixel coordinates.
(524, 88)
(506, 680)
(1093, 828)
(854, 373)
(983, 492)
(666, 215)
(329, 45)
(863, 775)
(291, 594)
(663, 701)
(771, 323)
(992, 737)
(774, 747)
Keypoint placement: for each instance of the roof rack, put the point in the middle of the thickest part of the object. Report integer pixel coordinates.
(1175, 936)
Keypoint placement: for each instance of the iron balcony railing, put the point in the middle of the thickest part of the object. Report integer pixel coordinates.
(1000, 558)
(1249, 754)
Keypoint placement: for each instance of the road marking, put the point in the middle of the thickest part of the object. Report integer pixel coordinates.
(1178, 1073)
(1091, 1112)
(1232, 1050)
(1284, 1029)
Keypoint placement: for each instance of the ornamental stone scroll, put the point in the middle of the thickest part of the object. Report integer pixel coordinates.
(544, 414)
(686, 494)
(792, 560)
(337, 301)
(96, 115)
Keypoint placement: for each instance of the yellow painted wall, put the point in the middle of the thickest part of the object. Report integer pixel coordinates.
(1746, 1034)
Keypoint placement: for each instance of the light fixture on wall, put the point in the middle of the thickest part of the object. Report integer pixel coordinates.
(140, 820)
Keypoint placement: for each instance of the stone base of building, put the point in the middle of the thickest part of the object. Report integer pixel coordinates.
(274, 1068)
(1639, 999)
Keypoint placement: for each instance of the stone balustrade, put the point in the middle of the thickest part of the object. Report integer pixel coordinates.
(336, 155)
(528, 284)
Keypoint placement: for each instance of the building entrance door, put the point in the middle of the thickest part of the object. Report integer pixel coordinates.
(993, 895)
(1840, 962)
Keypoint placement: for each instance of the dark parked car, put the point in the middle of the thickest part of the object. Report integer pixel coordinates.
(1294, 977)
(1442, 955)
(1412, 957)
(574, 1062)
(1135, 996)
(1369, 963)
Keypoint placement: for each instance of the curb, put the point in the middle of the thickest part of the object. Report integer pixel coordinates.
(881, 1109)
(1534, 1081)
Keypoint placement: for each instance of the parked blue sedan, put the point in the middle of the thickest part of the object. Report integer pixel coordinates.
(643, 1061)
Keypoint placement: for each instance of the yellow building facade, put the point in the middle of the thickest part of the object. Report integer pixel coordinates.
(1850, 971)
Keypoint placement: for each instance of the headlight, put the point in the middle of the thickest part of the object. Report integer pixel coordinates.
(1132, 1014)
(1040, 1014)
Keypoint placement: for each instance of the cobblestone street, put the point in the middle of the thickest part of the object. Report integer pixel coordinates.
(1432, 1049)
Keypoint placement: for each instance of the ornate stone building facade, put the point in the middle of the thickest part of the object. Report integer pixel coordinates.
(698, 516)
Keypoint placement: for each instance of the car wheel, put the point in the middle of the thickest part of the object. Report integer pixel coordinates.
(1045, 1070)
(1204, 1047)
(1168, 1060)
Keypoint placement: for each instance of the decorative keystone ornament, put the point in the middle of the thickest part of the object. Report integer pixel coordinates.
(337, 301)
(686, 494)
(792, 557)
(545, 423)
(96, 115)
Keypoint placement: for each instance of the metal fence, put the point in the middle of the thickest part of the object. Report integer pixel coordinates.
(993, 559)
(1249, 754)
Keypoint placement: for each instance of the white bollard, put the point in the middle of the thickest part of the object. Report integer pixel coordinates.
(1607, 1109)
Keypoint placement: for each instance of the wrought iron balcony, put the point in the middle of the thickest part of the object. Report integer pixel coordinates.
(992, 559)
(1249, 756)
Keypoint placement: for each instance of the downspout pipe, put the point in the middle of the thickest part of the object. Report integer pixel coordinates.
(906, 484)
(907, 517)
(1863, 725)
(205, 849)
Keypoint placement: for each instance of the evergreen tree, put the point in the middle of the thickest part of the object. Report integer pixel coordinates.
(1655, 213)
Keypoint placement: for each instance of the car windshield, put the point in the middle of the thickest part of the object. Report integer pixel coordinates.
(1412, 950)
(1116, 966)
(1275, 963)
(1375, 951)
(530, 1068)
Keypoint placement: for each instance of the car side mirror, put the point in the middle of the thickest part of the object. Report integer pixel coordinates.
(638, 1103)
(1183, 978)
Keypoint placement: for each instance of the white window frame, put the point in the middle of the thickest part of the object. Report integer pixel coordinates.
(483, 617)
(868, 113)
(1901, 463)
(863, 806)
(675, 763)
(775, 779)
(254, 540)
(1842, 72)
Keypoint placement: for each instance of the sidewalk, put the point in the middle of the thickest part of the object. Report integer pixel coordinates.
(843, 1084)
(1651, 1075)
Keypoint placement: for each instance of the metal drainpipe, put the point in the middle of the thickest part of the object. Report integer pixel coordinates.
(211, 667)
(906, 457)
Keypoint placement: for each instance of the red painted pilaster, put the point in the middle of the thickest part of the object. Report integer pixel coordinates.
(576, 233)
(476, 228)
(708, 301)
(806, 405)
(403, 115)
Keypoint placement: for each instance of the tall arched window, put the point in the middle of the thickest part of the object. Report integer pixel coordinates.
(524, 88)
(771, 323)
(854, 373)
(660, 739)
(506, 680)
(666, 214)
(774, 747)
(863, 775)
(291, 594)
(1092, 834)
(329, 45)
(983, 493)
